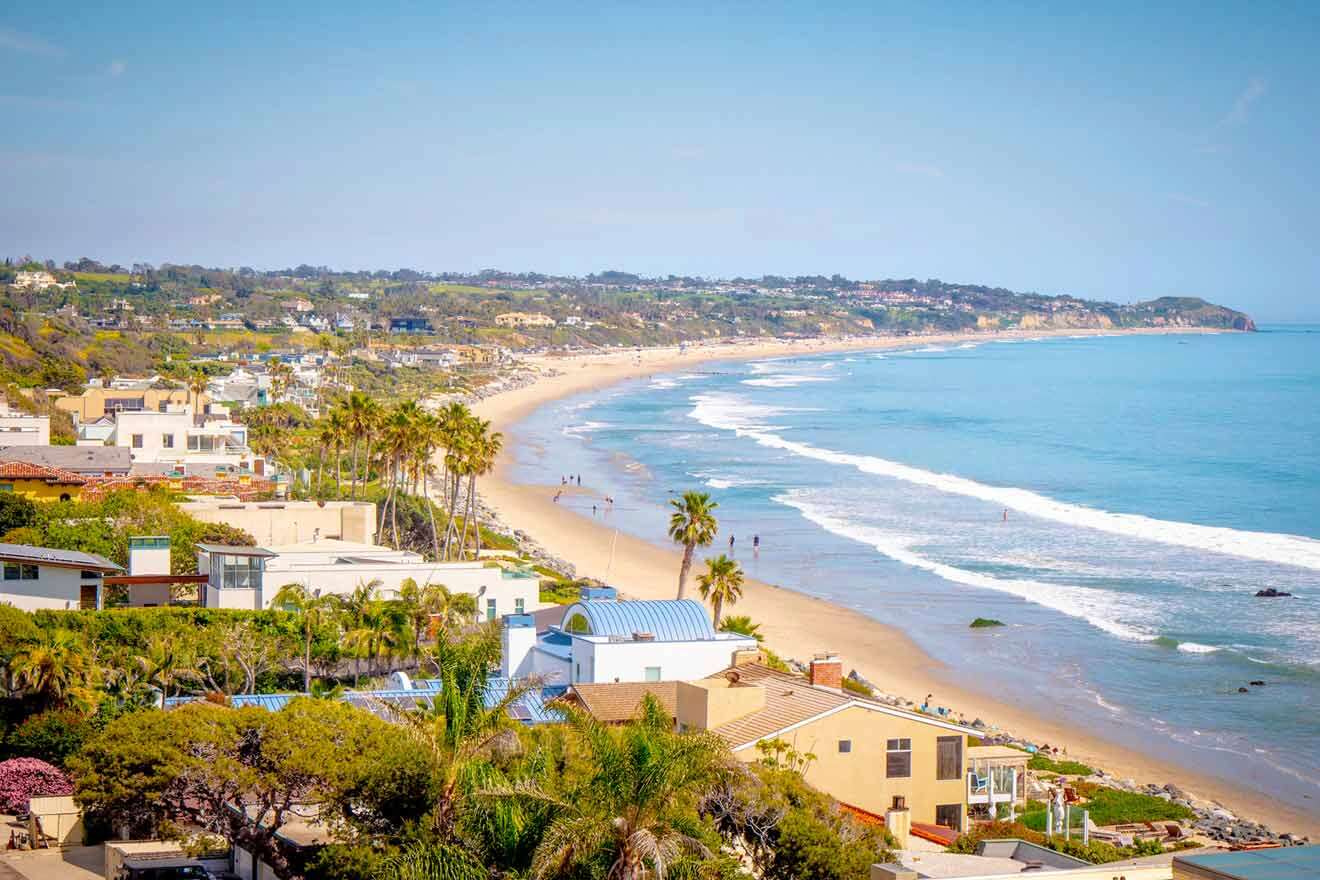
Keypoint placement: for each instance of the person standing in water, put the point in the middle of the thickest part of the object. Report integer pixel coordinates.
(730, 543)
(756, 545)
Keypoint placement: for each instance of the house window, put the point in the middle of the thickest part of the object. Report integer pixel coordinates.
(948, 757)
(653, 673)
(89, 575)
(519, 606)
(167, 441)
(845, 746)
(490, 609)
(11, 571)
(898, 759)
(949, 815)
(137, 441)
(240, 572)
(29, 572)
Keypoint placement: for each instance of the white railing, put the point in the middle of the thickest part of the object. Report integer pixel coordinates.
(992, 785)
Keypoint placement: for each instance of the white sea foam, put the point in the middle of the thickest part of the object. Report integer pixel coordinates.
(1281, 549)
(1100, 608)
(785, 380)
(1196, 648)
(584, 428)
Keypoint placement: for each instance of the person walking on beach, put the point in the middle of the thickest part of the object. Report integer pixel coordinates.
(730, 543)
(756, 545)
(593, 510)
(579, 479)
(1005, 514)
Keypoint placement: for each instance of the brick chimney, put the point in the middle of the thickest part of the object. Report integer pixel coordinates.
(827, 670)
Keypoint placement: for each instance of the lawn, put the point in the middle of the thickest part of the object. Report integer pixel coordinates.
(119, 277)
(1109, 806)
(1063, 768)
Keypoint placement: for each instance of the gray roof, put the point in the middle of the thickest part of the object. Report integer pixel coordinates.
(50, 556)
(225, 549)
(79, 459)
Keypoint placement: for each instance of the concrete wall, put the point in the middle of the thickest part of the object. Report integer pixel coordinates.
(24, 430)
(858, 777)
(90, 405)
(55, 587)
(58, 818)
(599, 661)
(275, 523)
(459, 577)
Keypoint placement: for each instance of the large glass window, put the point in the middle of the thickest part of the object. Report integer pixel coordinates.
(205, 443)
(898, 758)
(240, 572)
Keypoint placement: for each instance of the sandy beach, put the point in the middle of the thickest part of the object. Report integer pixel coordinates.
(797, 625)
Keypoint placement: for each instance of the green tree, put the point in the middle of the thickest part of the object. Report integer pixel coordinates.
(16, 511)
(721, 584)
(692, 524)
(632, 803)
(56, 669)
(314, 612)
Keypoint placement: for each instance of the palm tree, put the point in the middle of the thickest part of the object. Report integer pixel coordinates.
(693, 525)
(721, 584)
(631, 810)
(483, 448)
(56, 668)
(361, 413)
(314, 611)
(336, 431)
(197, 383)
(374, 628)
(462, 722)
(167, 665)
(281, 377)
(743, 625)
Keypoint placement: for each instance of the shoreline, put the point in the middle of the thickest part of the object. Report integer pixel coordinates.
(796, 624)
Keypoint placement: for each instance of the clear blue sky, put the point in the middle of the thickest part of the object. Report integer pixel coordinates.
(1119, 153)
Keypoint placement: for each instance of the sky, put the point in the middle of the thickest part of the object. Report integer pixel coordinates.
(1120, 153)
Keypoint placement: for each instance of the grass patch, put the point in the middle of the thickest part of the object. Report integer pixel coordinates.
(1063, 768)
(983, 622)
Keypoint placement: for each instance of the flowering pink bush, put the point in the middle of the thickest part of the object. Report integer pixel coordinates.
(23, 778)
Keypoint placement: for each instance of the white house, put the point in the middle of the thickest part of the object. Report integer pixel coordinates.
(18, 428)
(39, 577)
(250, 577)
(603, 639)
(176, 437)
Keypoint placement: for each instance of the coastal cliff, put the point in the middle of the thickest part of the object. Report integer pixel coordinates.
(1190, 311)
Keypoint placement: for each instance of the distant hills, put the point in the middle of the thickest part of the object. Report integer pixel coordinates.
(60, 324)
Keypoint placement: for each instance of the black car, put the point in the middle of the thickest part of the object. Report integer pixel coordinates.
(162, 869)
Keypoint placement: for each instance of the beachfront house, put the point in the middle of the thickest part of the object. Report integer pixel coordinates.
(601, 638)
(905, 768)
(250, 577)
(40, 577)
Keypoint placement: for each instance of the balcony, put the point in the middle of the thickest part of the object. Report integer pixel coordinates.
(992, 785)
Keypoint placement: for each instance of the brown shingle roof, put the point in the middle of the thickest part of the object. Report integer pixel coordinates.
(621, 701)
(791, 699)
(24, 470)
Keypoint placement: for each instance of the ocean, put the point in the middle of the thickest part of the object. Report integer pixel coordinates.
(1116, 501)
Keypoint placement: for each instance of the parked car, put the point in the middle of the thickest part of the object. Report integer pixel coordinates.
(163, 869)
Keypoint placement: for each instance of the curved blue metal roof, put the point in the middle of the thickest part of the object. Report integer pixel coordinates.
(669, 620)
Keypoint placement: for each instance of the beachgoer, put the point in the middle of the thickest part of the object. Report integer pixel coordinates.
(1005, 514)
(563, 481)
(756, 543)
(593, 510)
(579, 479)
(730, 543)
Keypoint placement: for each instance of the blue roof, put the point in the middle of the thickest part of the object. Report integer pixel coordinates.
(532, 708)
(669, 620)
(1286, 863)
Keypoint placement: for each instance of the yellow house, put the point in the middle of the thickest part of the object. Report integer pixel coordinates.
(875, 758)
(903, 765)
(94, 403)
(40, 482)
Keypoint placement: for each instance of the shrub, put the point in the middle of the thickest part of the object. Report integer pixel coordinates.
(983, 622)
(22, 778)
(51, 736)
(854, 686)
(1109, 806)
(1063, 768)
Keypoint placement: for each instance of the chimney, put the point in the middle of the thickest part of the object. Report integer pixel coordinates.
(898, 821)
(827, 671)
(517, 641)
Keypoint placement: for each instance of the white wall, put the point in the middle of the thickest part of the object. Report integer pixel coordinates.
(468, 578)
(599, 661)
(55, 587)
(274, 523)
(24, 430)
(244, 599)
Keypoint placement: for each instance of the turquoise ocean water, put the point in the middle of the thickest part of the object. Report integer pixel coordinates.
(1117, 501)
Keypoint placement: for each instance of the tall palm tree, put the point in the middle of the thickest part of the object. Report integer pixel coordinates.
(483, 448)
(314, 612)
(693, 525)
(721, 584)
(361, 413)
(56, 668)
(197, 382)
(631, 810)
(336, 427)
(168, 665)
(281, 378)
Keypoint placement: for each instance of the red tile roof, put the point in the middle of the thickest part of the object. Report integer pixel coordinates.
(24, 470)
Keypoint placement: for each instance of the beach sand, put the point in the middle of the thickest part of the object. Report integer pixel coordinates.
(794, 624)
